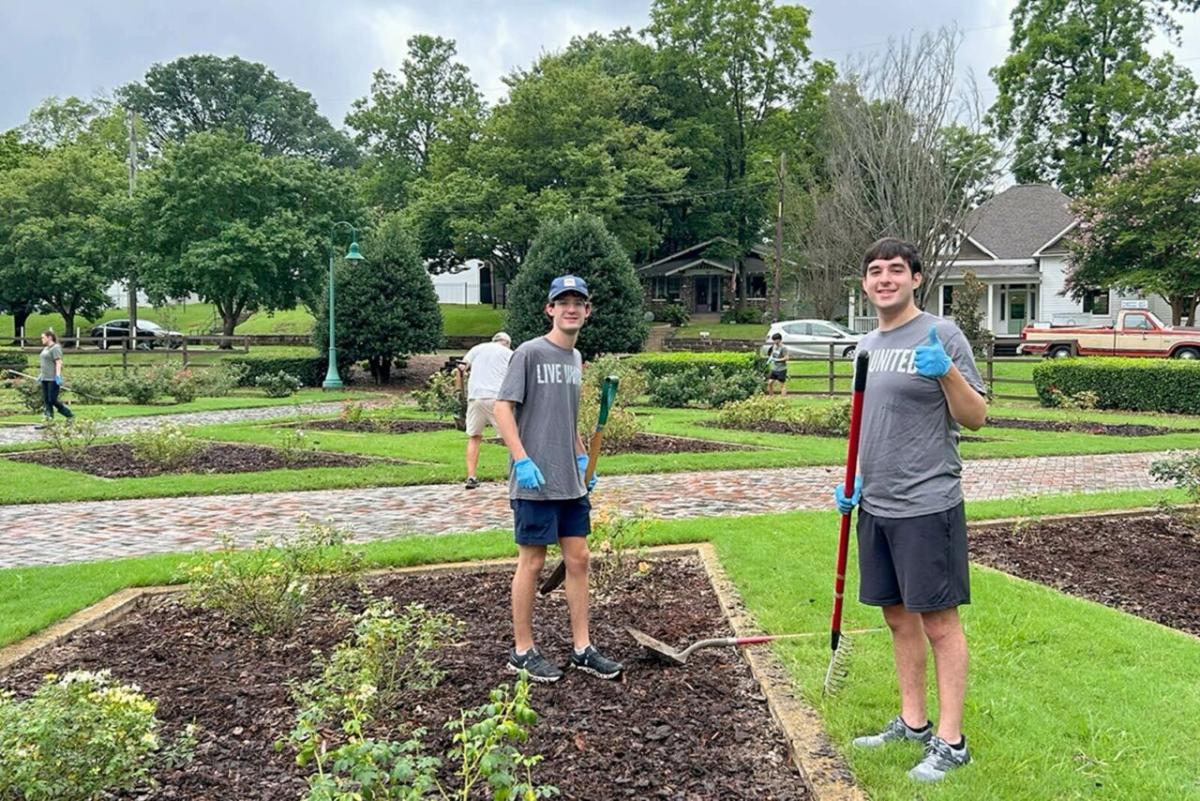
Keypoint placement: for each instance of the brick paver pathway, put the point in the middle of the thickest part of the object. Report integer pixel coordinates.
(16, 434)
(56, 533)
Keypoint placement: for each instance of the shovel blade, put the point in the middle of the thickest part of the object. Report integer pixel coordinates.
(657, 648)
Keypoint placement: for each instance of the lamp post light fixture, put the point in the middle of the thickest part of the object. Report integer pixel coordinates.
(332, 379)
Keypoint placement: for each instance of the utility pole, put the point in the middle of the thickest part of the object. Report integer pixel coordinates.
(781, 172)
(132, 282)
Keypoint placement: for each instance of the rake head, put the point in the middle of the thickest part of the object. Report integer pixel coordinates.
(839, 665)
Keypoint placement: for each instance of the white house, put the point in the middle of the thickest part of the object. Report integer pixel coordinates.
(1014, 243)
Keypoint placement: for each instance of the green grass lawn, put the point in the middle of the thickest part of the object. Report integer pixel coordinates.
(1067, 699)
(437, 456)
(754, 331)
(197, 318)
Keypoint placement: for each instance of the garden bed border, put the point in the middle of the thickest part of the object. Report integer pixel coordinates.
(822, 769)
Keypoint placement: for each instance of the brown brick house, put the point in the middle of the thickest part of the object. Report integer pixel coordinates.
(704, 277)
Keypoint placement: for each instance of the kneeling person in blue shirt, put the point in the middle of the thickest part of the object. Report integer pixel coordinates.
(537, 412)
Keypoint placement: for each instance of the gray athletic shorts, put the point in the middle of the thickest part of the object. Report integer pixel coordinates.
(920, 562)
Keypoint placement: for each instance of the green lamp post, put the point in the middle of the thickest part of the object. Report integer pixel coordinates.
(332, 379)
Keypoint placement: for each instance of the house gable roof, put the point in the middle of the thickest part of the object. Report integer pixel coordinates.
(1020, 221)
(695, 254)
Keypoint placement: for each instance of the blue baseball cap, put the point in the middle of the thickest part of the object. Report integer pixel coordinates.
(567, 283)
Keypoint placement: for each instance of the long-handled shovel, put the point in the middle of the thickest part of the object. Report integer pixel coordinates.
(835, 675)
(608, 394)
(671, 656)
(64, 388)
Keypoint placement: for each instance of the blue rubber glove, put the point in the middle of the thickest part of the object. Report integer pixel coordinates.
(846, 505)
(931, 360)
(582, 461)
(58, 380)
(528, 475)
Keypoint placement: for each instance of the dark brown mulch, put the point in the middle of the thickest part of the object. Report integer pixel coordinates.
(1084, 427)
(118, 461)
(377, 426)
(700, 732)
(1148, 566)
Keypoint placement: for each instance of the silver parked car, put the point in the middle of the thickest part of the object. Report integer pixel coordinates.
(813, 337)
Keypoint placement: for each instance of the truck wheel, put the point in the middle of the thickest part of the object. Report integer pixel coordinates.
(1060, 352)
(1186, 353)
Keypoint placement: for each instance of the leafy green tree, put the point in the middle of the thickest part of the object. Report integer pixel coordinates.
(968, 311)
(580, 246)
(18, 290)
(1139, 229)
(52, 230)
(569, 137)
(243, 230)
(209, 93)
(387, 308)
(432, 100)
(1080, 91)
(741, 88)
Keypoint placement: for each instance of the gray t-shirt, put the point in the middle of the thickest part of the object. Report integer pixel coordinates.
(908, 454)
(49, 355)
(544, 382)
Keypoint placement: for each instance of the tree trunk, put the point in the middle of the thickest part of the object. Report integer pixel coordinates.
(1177, 302)
(228, 323)
(69, 326)
(20, 319)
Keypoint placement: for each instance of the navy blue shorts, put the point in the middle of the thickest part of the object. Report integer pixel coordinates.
(545, 522)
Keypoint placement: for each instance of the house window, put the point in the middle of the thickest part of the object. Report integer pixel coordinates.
(1096, 302)
(665, 287)
(756, 286)
(947, 299)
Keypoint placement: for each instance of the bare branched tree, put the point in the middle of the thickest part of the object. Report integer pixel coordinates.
(908, 157)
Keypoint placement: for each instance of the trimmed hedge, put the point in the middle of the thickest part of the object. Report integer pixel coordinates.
(12, 360)
(309, 369)
(657, 365)
(1139, 385)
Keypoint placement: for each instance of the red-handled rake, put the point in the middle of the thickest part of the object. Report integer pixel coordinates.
(672, 656)
(839, 643)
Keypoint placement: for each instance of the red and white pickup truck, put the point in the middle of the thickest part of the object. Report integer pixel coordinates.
(1138, 332)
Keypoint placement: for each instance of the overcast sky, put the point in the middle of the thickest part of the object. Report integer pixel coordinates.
(331, 47)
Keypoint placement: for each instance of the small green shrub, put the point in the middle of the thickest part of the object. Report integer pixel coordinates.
(143, 386)
(278, 385)
(353, 413)
(80, 737)
(270, 585)
(752, 411)
(30, 393)
(184, 385)
(12, 360)
(618, 542)
(70, 437)
(675, 390)
(746, 315)
(1131, 384)
(823, 421)
(631, 382)
(309, 369)
(167, 446)
(221, 379)
(731, 388)
(294, 445)
(656, 365)
(95, 386)
(441, 396)
(673, 314)
(1181, 469)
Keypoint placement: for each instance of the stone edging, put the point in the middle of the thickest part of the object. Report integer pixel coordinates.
(824, 771)
(821, 767)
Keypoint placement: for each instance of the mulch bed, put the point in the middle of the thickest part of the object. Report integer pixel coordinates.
(1148, 566)
(1083, 427)
(700, 732)
(780, 427)
(118, 461)
(376, 426)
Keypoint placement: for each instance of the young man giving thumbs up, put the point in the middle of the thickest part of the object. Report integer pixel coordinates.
(912, 530)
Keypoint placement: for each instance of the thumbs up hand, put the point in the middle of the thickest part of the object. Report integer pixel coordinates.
(931, 359)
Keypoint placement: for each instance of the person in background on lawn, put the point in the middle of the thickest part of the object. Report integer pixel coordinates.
(537, 412)
(486, 365)
(50, 376)
(777, 365)
(922, 384)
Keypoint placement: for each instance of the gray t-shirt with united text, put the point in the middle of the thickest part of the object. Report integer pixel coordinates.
(544, 382)
(908, 451)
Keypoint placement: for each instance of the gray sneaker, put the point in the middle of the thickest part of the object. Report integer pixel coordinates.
(537, 666)
(896, 730)
(940, 758)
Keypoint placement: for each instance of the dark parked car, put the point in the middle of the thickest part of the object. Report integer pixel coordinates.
(149, 335)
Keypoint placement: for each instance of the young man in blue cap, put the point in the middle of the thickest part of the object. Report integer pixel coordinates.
(537, 413)
(922, 385)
